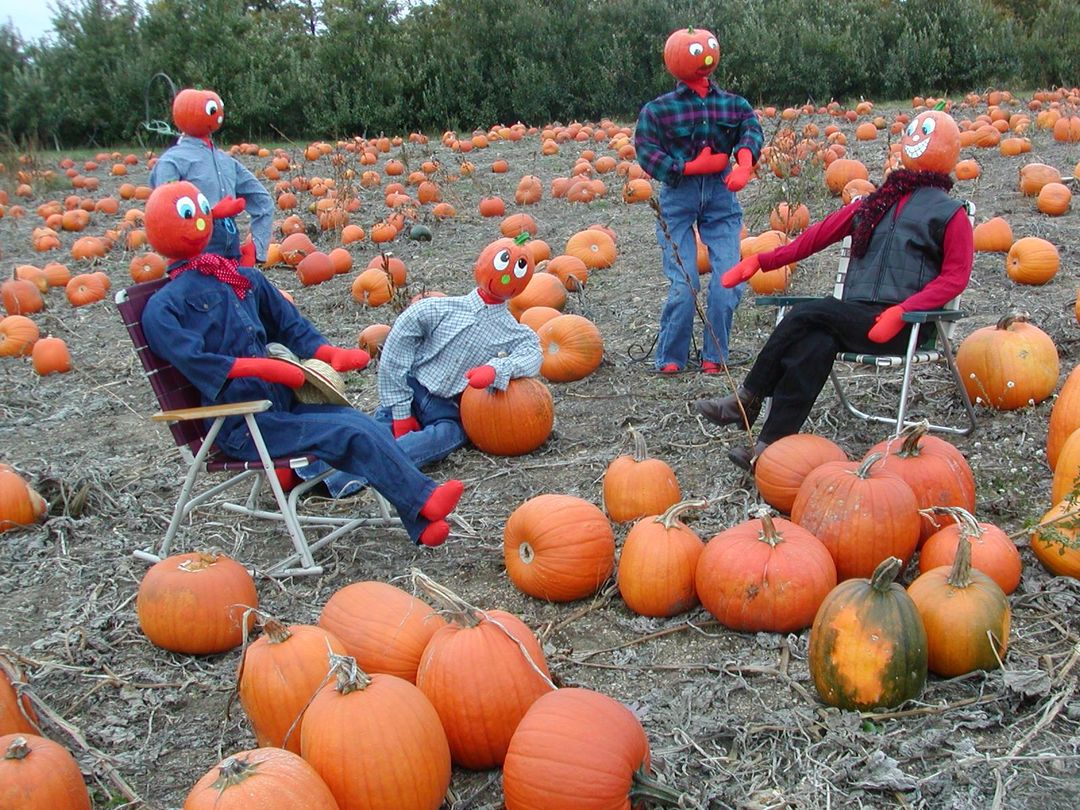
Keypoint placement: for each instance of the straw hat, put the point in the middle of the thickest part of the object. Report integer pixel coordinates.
(322, 384)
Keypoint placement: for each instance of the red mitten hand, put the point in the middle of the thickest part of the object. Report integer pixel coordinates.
(708, 162)
(887, 325)
(227, 207)
(742, 271)
(740, 175)
(402, 426)
(247, 253)
(481, 376)
(269, 369)
(343, 359)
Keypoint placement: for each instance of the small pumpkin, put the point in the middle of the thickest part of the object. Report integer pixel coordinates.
(1010, 365)
(17, 715)
(17, 335)
(1056, 540)
(992, 552)
(50, 355)
(39, 774)
(780, 470)
(1034, 176)
(543, 290)
(572, 348)
(21, 297)
(657, 564)
(570, 270)
(1032, 260)
(594, 247)
(511, 422)
(637, 485)
(1054, 199)
(868, 647)
(265, 778)
(993, 236)
(20, 504)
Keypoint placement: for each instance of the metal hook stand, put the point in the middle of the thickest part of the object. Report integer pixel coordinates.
(157, 125)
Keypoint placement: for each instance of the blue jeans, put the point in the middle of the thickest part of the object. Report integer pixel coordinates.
(705, 200)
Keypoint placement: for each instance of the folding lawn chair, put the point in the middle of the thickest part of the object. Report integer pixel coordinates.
(194, 428)
(924, 347)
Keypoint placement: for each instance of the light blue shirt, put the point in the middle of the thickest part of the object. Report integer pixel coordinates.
(218, 175)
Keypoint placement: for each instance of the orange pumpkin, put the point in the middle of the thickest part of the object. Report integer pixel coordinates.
(267, 778)
(372, 338)
(21, 297)
(1054, 199)
(315, 268)
(373, 287)
(657, 564)
(993, 236)
(1034, 176)
(572, 348)
(841, 171)
(511, 422)
(198, 112)
(1032, 260)
(570, 270)
(146, 267)
(50, 355)
(1064, 416)
(992, 552)
(543, 290)
(558, 547)
(594, 247)
(38, 774)
(17, 335)
(20, 504)
(517, 224)
(17, 715)
(931, 142)
(637, 485)
(1056, 540)
(1009, 365)
(780, 470)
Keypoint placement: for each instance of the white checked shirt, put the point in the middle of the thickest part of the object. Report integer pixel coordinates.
(436, 340)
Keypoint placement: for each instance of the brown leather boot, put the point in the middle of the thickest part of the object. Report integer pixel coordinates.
(726, 411)
(744, 456)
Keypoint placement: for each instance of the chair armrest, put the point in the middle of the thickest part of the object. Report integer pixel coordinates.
(783, 300)
(934, 316)
(214, 411)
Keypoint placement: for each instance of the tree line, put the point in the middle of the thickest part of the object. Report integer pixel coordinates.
(335, 68)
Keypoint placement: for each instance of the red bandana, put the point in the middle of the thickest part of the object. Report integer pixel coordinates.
(210, 264)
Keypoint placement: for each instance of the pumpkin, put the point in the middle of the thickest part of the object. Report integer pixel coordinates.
(657, 564)
(56, 274)
(511, 422)
(637, 485)
(481, 671)
(993, 236)
(558, 547)
(1064, 416)
(50, 355)
(372, 338)
(767, 282)
(781, 468)
(931, 142)
(966, 616)
(376, 741)
(1034, 176)
(841, 171)
(543, 290)
(868, 647)
(577, 749)
(535, 317)
(21, 297)
(1032, 260)
(570, 270)
(691, 53)
(391, 265)
(529, 190)
(17, 715)
(637, 190)
(17, 335)
(1009, 365)
(1054, 199)
(372, 287)
(764, 575)
(146, 267)
(1067, 470)
(492, 207)
(504, 268)
(992, 552)
(315, 268)
(968, 169)
(295, 247)
(789, 219)
(936, 471)
(279, 673)
(862, 512)
(198, 112)
(383, 627)
(572, 348)
(195, 603)
(517, 224)
(266, 778)
(38, 774)
(1056, 541)
(20, 504)
(594, 247)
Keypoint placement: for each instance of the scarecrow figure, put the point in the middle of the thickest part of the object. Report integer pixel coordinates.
(214, 325)
(911, 249)
(229, 187)
(687, 139)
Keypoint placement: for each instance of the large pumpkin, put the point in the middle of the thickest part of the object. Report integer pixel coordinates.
(264, 778)
(558, 547)
(1009, 365)
(383, 627)
(784, 465)
(868, 644)
(765, 575)
(38, 774)
(637, 485)
(572, 348)
(992, 552)
(511, 422)
(195, 603)
(657, 564)
(966, 616)
(931, 142)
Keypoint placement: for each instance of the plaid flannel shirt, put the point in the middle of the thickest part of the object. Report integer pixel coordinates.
(436, 340)
(675, 127)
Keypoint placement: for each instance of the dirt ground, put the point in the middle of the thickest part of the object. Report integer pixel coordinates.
(732, 718)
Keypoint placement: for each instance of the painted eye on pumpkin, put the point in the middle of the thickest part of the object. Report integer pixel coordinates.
(501, 260)
(696, 49)
(211, 107)
(928, 126)
(521, 267)
(204, 204)
(713, 44)
(185, 207)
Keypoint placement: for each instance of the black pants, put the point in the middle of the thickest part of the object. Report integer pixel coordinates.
(795, 361)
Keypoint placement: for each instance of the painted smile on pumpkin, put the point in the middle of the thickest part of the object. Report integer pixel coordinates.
(916, 150)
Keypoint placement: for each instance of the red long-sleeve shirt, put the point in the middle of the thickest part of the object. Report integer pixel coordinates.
(957, 253)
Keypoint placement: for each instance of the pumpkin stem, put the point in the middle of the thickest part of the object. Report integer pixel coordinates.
(643, 786)
(201, 563)
(232, 772)
(969, 526)
(446, 601)
(18, 749)
(350, 678)
(671, 514)
(768, 534)
(641, 451)
(960, 575)
(885, 573)
(911, 436)
(1016, 316)
(869, 461)
(276, 632)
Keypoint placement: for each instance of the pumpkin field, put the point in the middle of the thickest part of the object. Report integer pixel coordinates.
(734, 718)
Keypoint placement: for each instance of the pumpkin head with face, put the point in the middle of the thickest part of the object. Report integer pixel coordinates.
(198, 113)
(931, 143)
(178, 220)
(504, 268)
(691, 54)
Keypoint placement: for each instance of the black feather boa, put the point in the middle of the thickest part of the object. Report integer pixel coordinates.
(896, 185)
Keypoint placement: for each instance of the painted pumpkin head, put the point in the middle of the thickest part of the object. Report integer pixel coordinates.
(198, 112)
(931, 143)
(691, 54)
(178, 221)
(504, 268)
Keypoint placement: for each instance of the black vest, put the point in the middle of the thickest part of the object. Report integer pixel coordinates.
(905, 252)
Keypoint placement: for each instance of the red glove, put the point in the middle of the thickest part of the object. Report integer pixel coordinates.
(481, 376)
(742, 271)
(887, 325)
(744, 167)
(402, 426)
(267, 368)
(247, 253)
(708, 162)
(227, 207)
(343, 359)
